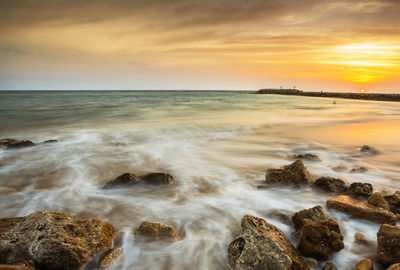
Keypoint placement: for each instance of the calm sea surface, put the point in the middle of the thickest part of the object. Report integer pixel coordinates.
(216, 144)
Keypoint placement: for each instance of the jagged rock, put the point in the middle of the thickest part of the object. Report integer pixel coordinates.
(359, 209)
(331, 184)
(155, 231)
(307, 157)
(366, 149)
(295, 173)
(360, 189)
(312, 263)
(306, 216)
(360, 169)
(158, 179)
(388, 244)
(394, 202)
(361, 239)
(394, 267)
(329, 266)
(11, 143)
(110, 258)
(122, 180)
(365, 264)
(378, 200)
(261, 245)
(53, 240)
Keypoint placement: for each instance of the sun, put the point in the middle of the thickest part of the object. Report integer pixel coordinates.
(362, 91)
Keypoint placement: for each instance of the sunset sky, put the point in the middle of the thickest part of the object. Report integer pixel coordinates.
(330, 45)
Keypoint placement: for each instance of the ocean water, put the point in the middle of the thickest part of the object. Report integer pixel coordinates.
(216, 144)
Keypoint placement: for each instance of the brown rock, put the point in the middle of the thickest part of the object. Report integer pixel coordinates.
(388, 244)
(361, 239)
(7, 191)
(50, 141)
(307, 157)
(158, 179)
(11, 143)
(365, 264)
(394, 267)
(329, 266)
(312, 263)
(295, 173)
(366, 149)
(110, 258)
(377, 200)
(359, 169)
(20, 266)
(394, 202)
(53, 240)
(359, 209)
(358, 189)
(154, 231)
(306, 216)
(331, 184)
(122, 180)
(261, 245)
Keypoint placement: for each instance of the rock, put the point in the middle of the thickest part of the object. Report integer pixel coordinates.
(358, 189)
(155, 231)
(331, 184)
(50, 141)
(365, 264)
(306, 216)
(361, 239)
(281, 215)
(7, 191)
(295, 173)
(312, 263)
(394, 267)
(359, 209)
(394, 202)
(377, 200)
(261, 245)
(359, 170)
(122, 180)
(320, 240)
(388, 244)
(307, 157)
(366, 149)
(329, 266)
(53, 240)
(110, 258)
(11, 143)
(158, 179)
(19, 266)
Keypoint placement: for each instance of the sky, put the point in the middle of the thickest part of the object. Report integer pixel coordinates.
(329, 45)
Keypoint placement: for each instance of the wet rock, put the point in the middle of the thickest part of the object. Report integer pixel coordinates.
(53, 240)
(261, 245)
(378, 200)
(50, 141)
(339, 168)
(295, 173)
(359, 209)
(110, 258)
(12, 143)
(155, 231)
(359, 189)
(329, 266)
(360, 169)
(394, 267)
(320, 240)
(388, 244)
(366, 149)
(7, 191)
(306, 157)
(122, 180)
(19, 266)
(312, 263)
(361, 239)
(331, 184)
(394, 202)
(281, 215)
(306, 216)
(158, 179)
(365, 264)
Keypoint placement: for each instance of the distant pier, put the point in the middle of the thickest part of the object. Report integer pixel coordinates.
(347, 95)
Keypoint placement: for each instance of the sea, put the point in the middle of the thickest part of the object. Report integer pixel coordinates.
(216, 144)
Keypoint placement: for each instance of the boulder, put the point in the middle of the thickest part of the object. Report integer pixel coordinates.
(306, 216)
(306, 157)
(359, 209)
(388, 244)
(122, 180)
(394, 202)
(394, 267)
(329, 266)
(155, 231)
(365, 264)
(378, 200)
(312, 263)
(110, 258)
(53, 240)
(261, 245)
(295, 173)
(12, 143)
(358, 189)
(366, 149)
(158, 179)
(331, 184)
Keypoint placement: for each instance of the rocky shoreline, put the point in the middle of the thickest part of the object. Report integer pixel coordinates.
(346, 95)
(56, 240)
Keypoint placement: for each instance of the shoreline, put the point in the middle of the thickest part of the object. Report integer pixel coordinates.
(345, 95)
